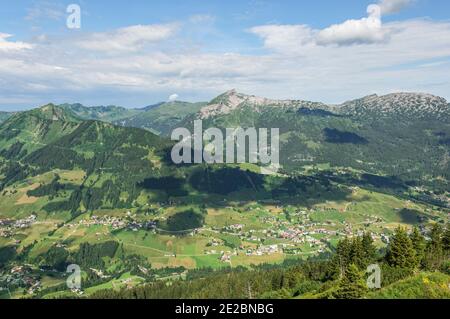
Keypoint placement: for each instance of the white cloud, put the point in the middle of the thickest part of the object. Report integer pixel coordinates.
(290, 38)
(296, 67)
(6, 45)
(285, 38)
(365, 30)
(393, 6)
(368, 30)
(173, 97)
(128, 39)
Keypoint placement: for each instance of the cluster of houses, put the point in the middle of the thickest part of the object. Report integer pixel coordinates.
(236, 228)
(263, 250)
(9, 226)
(115, 223)
(111, 221)
(293, 237)
(20, 277)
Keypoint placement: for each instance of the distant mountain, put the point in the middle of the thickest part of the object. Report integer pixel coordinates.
(410, 147)
(101, 113)
(161, 118)
(408, 104)
(110, 199)
(109, 166)
(232, 100)
(404, 134)
(411, 105)
(52, 138)
(30, 130)
(152, 106)
(4, 116)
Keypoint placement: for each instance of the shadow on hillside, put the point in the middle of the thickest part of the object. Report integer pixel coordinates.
(388, 183)
(343, 137)
(221, 185)
(166, 157)
(316, 112)
(411, 216)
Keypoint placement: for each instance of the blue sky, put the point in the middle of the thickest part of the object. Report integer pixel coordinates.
(134, 53)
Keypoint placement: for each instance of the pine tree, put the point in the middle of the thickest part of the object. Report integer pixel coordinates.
(446, 240)
(370, 251)
(401, 252)
(342, 258)
(419, 243)
(352, 285)
(435, 248)
(357, 254)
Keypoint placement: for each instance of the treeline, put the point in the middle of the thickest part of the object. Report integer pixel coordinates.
(87, 256)
(406, 255)
(343, 276)
(122, 151)
(51, 189)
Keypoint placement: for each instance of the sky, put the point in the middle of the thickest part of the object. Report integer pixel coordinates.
(138, 52)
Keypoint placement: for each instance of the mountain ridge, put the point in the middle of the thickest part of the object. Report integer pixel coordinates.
(232, 100)
(388, 103)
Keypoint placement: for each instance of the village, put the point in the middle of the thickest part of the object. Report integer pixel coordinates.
(20, 276)
(291, 231)
(289, 237)
(116, 223)
(8, 227)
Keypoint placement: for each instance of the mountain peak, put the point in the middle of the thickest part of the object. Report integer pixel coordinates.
(54, 113)
(232, 100)
(406, 103)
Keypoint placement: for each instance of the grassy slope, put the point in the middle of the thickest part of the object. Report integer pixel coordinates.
(37, 128)
(421, 286)
(100, 113)
(4, 116)
(162, 118)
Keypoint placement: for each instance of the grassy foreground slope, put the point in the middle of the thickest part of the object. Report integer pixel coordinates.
(422, 286)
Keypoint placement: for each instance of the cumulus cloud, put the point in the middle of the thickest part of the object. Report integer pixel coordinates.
(6, 45)
(393, 6)
(285, 37)
(299, 68)
(173, 97)
(365, 30)
(368, 30)
(289, 38)
(130, 38)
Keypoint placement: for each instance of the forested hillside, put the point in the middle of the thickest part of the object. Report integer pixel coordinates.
(109, 198)
(401, 136)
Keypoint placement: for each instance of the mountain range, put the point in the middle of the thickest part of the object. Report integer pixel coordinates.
(401, 134)
(398, 141)
(158, 118)
(97, 187)
(4, 116)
